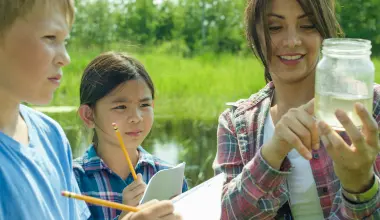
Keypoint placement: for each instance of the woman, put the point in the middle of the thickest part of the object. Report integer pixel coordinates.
(269, 145)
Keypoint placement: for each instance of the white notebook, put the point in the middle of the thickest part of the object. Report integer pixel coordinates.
(165, 184)
(202, 202)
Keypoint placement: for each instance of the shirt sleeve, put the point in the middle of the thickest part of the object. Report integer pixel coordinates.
(344, 209)
(253, 190)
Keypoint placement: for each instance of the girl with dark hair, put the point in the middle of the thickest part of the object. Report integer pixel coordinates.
(116, 88)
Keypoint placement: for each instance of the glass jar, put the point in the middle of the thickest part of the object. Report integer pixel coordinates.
(344, 76)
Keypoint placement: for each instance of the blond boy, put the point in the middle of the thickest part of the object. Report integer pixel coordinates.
(35, 155)
(34, 152)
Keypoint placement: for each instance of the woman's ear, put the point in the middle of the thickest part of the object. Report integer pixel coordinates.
(87, 115)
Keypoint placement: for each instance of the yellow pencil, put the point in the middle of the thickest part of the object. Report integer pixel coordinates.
(100, 202)
(125, 151)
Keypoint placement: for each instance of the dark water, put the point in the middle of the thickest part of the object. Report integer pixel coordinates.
(172, 140)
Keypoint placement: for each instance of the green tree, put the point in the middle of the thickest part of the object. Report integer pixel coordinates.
(195, 26)
(361, 19)
(137, 21)
(94, 23)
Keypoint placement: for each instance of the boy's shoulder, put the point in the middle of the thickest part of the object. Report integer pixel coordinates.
(47, 131)
(40, 121)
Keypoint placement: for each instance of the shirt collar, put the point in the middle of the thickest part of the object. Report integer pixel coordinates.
(145, 158)
(264, 93)
(93, 163)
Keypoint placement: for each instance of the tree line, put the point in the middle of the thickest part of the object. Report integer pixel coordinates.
(192, 26)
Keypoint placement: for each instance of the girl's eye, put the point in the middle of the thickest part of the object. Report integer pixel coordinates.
(120, 107)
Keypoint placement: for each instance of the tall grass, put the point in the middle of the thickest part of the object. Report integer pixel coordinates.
(377, 70)
(193, 88)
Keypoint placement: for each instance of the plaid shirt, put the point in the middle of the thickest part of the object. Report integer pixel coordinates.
(253, 189)
(96, 179)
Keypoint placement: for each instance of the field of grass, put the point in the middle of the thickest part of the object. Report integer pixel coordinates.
(377, 71)
(193, 88)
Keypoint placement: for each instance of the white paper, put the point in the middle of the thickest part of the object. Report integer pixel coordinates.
(202, 201)
(165, 184)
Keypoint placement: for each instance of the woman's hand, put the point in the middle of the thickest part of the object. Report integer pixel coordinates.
(353, 164)
(296, 129)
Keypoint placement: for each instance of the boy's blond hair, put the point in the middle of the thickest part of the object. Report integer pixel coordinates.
(10, 10)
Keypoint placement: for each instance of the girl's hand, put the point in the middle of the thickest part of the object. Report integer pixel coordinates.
(157, 210)
(133, 193)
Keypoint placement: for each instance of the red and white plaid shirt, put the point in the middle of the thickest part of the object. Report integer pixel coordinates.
(254, 190)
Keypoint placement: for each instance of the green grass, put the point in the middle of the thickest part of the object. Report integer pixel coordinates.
(193, 88)
(377, 70)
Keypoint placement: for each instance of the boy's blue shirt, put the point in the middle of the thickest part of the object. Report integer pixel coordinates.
(32, 177)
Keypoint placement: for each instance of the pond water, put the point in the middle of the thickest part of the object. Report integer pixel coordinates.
(172, 140)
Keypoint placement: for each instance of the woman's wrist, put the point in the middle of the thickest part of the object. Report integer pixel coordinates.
(273, 155)
(365, 196)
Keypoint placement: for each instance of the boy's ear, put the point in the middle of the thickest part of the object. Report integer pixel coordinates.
(87, 115)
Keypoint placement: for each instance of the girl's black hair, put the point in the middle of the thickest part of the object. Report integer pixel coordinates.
(106, 72)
